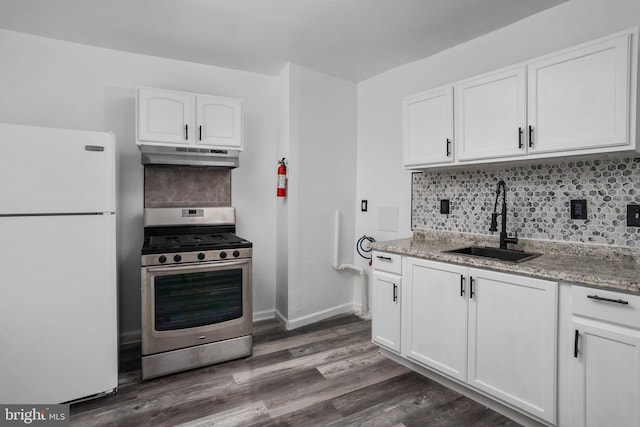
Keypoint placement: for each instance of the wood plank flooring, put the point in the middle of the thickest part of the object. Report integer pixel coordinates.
(325, 374)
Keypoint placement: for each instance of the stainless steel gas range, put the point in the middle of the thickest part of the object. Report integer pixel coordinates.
(196, 290)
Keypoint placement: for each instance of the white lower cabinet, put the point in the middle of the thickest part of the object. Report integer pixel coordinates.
(605, 368)
(435, 313)
(495, 332)
(512, 340)
(386, 289)
(385, 323)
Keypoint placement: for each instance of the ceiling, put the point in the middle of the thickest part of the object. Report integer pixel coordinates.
(348, 39)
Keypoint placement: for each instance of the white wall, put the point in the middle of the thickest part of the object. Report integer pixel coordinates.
(46, 82)
(282, 203)
(381, 178)
(322, 179)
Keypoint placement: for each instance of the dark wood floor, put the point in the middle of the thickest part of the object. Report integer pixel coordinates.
(323, 374)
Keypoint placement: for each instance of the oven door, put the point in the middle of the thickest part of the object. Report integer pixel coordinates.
(188, 305)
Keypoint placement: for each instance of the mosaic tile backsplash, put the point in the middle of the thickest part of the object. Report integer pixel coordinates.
(538, 200)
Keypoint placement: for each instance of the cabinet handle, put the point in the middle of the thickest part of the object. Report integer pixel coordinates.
(186, 132)
(448, 147)
(471, 293)
(520, 138)
(530, 136)
(575, 344)
(461, 285)
(200, 137)
(617, 301)
(385, 258)
(395, 292)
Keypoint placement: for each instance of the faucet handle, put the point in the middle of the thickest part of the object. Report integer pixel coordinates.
(494, 222)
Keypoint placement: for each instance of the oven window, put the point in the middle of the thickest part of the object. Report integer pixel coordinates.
(197, 299)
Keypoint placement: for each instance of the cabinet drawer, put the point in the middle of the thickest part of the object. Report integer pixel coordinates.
(391, 263)
(614, 307)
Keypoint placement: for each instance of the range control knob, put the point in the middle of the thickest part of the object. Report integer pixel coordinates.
(162, 259)
(200, 256)
(177, 258)
(236, 253)
(223, 254)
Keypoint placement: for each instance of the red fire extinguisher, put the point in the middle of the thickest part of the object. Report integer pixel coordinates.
(282, 178)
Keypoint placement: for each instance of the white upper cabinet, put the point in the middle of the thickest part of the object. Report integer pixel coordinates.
(180, 119)
(219, 121)
(491, 115)
(580, 99)
(428, 127)
(165, 116)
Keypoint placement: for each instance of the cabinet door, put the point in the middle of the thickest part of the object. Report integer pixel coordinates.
(385, 324)
(512, 340)
(580, 99)
(435, 306)
(491, 115)
(428, 127)
(219, 122)
(606, 375)
(165, 116)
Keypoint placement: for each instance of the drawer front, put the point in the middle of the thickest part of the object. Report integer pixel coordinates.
(614, 307)
(383, 261)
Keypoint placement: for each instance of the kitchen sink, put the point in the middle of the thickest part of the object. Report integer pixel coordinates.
(495, 253)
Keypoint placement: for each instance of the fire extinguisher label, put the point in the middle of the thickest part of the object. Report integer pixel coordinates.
(282, 181)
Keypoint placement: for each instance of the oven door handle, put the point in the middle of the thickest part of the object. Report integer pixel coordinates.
(196, 267)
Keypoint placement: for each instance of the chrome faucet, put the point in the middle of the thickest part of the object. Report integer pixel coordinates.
(504, 237)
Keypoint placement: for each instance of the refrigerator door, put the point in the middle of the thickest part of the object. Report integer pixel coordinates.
(46, 170)
(58, 340)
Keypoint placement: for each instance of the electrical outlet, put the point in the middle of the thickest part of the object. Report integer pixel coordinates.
(444, 206)
(579, 209)
(633, 215)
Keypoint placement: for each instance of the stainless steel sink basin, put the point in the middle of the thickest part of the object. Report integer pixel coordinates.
(495, 253)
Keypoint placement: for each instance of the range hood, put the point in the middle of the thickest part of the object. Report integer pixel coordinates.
(189, 156)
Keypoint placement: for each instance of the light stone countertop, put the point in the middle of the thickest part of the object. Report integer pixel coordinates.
(615, 268)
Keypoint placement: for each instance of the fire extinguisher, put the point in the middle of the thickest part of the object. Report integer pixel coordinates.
(282, 178)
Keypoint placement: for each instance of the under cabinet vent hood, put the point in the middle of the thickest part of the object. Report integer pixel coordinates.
(189, 156)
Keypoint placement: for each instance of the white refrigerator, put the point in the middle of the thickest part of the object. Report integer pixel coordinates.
(58, 284)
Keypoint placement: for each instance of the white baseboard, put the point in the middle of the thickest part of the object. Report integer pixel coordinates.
(317, 316)
(134, 337)
(263, 315)
(281, 319)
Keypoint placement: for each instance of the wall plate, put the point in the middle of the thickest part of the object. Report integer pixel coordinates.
(633, 215)
(444, 206)
(579, 209)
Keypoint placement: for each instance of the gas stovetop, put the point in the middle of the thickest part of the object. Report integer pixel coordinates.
(208, 240)
(181, 235)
